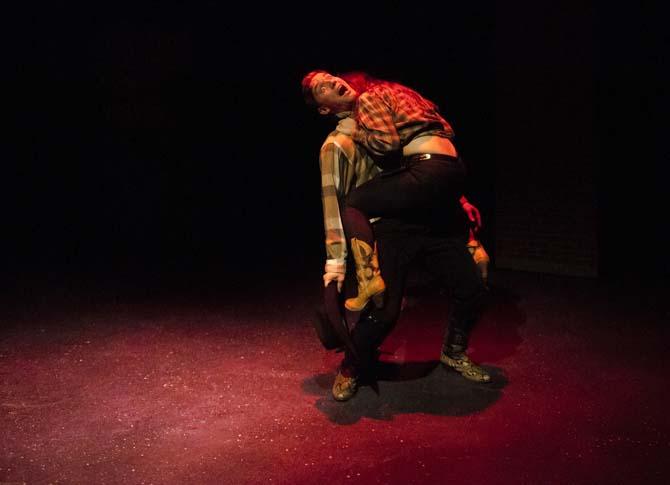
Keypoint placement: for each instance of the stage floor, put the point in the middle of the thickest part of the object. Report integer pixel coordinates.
(219, 385)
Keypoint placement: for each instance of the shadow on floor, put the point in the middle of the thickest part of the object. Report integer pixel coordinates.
(413, 387)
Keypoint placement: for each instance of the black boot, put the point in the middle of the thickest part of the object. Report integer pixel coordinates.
(461, 318)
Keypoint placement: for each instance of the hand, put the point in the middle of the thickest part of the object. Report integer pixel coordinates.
(334, 272)
(473, 215)
(338, 277)
(346, 126)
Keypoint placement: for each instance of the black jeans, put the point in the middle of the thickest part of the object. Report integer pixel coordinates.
(414, 188)
(440, 239)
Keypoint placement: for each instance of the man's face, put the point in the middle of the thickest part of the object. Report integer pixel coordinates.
(332, 94)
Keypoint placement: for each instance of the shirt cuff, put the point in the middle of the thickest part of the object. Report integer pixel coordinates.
(335, 266)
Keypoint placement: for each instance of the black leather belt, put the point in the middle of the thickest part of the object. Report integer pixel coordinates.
(419, 157)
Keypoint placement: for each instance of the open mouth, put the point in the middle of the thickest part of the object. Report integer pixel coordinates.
(342, 90)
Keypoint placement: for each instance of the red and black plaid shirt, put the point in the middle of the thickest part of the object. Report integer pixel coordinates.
(390, 115)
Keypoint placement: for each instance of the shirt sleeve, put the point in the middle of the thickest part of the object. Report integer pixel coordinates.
(376, 130)
(333, 162)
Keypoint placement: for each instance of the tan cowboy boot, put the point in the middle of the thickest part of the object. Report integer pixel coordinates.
(370, 282)
(481, 258)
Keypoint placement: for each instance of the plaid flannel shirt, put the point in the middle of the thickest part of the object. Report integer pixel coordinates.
(389, 116)
(344, 165)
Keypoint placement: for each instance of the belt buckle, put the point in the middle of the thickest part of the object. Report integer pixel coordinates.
(424, 156)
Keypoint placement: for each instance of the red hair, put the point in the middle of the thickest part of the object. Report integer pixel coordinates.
(358, 80)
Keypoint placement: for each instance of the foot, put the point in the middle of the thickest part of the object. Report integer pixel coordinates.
(370, 281)
(373, 289)
(462, 364)
(344, 387)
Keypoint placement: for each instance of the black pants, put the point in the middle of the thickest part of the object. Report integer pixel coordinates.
(417, 186)
(440, 240)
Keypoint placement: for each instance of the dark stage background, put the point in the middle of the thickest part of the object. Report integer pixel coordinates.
(162, 246)
(165, 141)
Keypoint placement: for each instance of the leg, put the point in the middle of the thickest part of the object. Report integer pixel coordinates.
(451, 260)
(376, 324)
(407, 194)
(404, 193)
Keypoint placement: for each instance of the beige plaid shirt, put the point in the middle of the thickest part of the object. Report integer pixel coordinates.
(344, 165)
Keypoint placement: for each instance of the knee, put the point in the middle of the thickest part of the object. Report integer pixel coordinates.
(353, 201)
(350, 213)
(373, 326)
(384, 319)
(381, 320)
